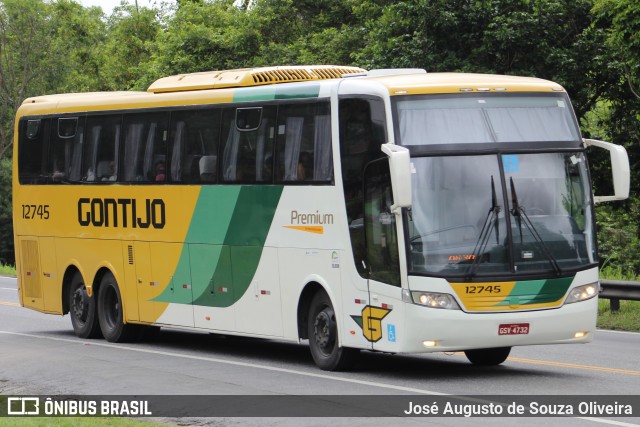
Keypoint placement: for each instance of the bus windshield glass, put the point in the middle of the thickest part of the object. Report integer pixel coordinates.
(484, 118)
(496, 214)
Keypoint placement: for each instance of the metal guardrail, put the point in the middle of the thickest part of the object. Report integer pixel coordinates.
(616, 290)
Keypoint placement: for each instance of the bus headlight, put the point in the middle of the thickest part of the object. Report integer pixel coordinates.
(583, 293)
(434, 300)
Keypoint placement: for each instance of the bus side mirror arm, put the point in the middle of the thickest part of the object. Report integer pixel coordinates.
(400, 168)
(620, 169)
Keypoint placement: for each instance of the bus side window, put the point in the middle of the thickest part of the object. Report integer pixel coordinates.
(362, 132)
(194, 145)
(32, 154)
(65, 151)
(247, 155)
(100, 153)
(304, 143)
(143, 138)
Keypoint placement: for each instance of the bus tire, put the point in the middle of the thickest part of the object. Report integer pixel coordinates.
(323, 337)
(110, 313)
(82, 309)
(488, 356)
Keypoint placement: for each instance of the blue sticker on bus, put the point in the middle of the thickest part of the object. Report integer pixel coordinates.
(391, 333)
(510, 162)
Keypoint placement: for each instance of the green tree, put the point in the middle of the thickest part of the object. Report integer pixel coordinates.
(25, 40)
(76, 42)
(131, 41)
(6, 221)
(205, 36)
(544, 38)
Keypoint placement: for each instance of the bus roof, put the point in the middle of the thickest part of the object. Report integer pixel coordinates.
(250, 77)
(430, 83)
(225, 86)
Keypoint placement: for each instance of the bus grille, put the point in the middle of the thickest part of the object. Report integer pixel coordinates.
(297, 74)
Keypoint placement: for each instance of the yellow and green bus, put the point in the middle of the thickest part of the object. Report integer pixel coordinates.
(387, 210)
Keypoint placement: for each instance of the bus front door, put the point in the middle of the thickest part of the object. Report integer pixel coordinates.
(382, 322)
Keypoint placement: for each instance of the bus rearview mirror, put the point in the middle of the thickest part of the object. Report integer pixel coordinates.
(400, 168)
(619, 167)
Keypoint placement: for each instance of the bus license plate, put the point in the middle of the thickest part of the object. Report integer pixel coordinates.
(513, 329)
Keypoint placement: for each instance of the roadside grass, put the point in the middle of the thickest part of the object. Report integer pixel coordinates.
(625, 319)
(628, 317)
(7, 270)
(77, 422)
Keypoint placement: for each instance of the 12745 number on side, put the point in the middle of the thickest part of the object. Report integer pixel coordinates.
(35, 211)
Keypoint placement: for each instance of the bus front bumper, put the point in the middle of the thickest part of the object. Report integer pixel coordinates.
(434, 330)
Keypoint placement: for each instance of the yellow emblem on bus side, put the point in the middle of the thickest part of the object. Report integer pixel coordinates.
(371, 322)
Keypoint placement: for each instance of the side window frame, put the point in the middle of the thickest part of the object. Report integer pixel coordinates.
(32, 163)
(246, 155)
(359, 145)
(304, 145)
(144, 136)
(101, 151)
(65, 149)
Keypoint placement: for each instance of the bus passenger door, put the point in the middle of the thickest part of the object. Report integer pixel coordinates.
(383, 320)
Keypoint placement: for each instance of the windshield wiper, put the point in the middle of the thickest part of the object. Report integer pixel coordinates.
(521, 216)
(490, 223)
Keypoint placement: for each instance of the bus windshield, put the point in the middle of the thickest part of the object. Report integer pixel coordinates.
(489, 215)
(485, 118)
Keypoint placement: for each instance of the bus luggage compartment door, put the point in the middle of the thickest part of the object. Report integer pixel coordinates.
(30, 275)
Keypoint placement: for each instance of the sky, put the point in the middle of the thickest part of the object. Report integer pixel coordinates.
(108, 5)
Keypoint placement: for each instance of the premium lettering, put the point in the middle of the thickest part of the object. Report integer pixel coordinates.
(313, 218)
(124, 213)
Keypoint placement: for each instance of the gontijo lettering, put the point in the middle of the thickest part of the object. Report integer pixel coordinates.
(125, 213)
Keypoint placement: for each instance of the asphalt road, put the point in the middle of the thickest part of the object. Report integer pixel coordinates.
(39, 354)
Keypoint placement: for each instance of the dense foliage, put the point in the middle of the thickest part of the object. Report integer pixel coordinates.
(592, 47)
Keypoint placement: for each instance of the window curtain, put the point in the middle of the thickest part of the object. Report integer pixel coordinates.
(260, 154)
(322, 149)
(293, 141)
(132, 150)
(230, 155)
(530, 124)
(176, 153)
(92, 157)
(148, 166)
(443, 126)
(76, 158)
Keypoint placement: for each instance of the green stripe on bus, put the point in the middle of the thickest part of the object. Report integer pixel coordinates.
(537, 291)
(224, 244)
(268, 93)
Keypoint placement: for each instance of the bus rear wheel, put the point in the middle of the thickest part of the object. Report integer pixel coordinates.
(110, 313)
(488, 356)
(323, 337)
(82, 309)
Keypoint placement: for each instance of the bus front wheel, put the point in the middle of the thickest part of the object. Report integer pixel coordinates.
(488, 356)
(110, 313)
(82, 309)
(323, 337)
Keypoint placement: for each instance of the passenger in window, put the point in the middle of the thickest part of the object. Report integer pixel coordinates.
(111, 172)
(160, 172)
(304, 167)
